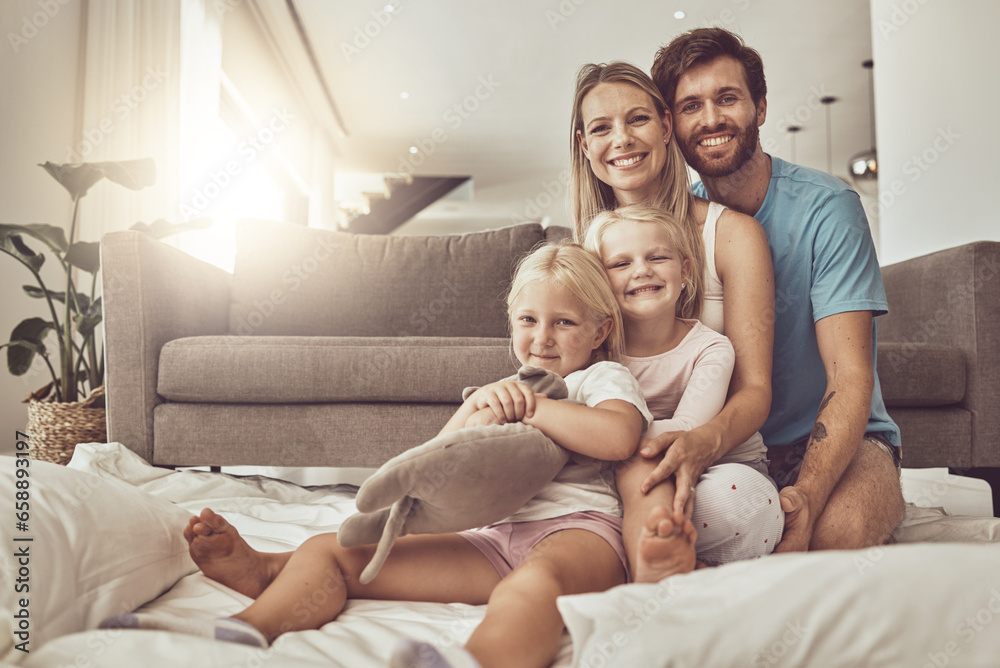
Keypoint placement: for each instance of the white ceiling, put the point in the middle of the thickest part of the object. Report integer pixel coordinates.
(442, 53)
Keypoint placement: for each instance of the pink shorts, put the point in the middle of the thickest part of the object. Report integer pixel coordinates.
(507, 544)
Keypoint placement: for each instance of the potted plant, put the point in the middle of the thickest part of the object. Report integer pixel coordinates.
(57, 417)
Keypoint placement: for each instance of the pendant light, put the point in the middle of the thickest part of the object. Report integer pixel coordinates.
(863, 167)
(827, 101)
(792, 130)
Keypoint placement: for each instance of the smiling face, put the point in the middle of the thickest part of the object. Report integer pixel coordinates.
(552, 329)
(624, 139)
(645, 270)
(716, 119)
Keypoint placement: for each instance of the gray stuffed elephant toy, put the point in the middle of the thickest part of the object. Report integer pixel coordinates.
(461, 480)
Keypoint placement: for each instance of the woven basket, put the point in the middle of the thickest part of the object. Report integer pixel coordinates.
(57, 427)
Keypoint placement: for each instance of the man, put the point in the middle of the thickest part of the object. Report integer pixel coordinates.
(832, 447)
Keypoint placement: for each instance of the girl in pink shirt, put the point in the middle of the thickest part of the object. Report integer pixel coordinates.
(684, 369)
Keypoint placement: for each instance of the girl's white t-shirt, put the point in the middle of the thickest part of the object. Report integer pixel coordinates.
(586, 483)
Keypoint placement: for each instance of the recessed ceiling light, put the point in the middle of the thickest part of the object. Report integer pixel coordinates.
(404, 95)
(679, 15)
(390, 8)
(413, 149)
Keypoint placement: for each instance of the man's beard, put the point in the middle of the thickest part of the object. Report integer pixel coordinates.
(746, 140)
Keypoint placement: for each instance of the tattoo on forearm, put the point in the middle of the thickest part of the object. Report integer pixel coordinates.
(819, 429)
(818, 433)
(825, 401)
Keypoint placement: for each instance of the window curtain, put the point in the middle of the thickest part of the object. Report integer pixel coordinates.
(150, 88)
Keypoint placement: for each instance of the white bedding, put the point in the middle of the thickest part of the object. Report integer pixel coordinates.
(907, 604)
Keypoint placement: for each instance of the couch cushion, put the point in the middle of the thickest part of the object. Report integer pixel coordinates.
(294, 280)
(558, 233)
(349, 435)
(938, 437)
(920, 374)
(304, 369)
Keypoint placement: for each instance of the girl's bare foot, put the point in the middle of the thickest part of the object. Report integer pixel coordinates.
(665, 548)
(221, 553)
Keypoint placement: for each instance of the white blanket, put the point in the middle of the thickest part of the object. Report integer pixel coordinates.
(904, 604)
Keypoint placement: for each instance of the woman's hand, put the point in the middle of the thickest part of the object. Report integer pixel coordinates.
(686, 455)
(509, 400)
(482, 418)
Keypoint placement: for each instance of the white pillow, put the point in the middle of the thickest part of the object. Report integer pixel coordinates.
(99, 548)
(906, 605)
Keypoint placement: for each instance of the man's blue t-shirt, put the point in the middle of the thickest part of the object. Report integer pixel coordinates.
(824, 264)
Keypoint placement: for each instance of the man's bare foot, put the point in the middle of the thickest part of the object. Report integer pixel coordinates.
(221, 553)
(665, 547)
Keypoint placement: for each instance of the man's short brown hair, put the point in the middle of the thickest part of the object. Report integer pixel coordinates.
(703, 45)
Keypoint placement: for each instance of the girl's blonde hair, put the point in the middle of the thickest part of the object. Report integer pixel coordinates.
(590, 194)
(580, 271)
(689, 246)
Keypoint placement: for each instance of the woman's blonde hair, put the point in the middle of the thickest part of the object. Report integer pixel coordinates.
(590, 194)
(580, 271)
(688, 246)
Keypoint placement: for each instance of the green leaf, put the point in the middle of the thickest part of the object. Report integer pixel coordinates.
(85, 324)
(91, 318)
(161, 228)
(25, 342)
(85, 255)
(12, 244)
(54, 237)
(36, 292)
(78, 178)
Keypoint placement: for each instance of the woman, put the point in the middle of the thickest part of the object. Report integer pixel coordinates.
(623, 152)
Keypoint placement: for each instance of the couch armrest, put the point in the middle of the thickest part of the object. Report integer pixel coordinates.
(952, 297)
(152, 293)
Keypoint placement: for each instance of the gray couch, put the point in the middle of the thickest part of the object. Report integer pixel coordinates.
(939, 359)
(320, 349)
(331, 349)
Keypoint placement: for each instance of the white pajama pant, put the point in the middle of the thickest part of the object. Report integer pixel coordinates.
(736, 514)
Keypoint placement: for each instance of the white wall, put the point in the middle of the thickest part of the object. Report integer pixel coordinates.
(937, 93)
(38, 77)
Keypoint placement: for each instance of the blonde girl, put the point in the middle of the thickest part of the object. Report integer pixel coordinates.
(567, 540)
(684, 369)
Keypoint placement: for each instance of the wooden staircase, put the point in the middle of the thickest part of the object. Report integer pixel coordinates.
(404, 197)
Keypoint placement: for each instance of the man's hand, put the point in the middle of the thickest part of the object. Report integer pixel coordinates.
(799, 521)
(686, 458)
